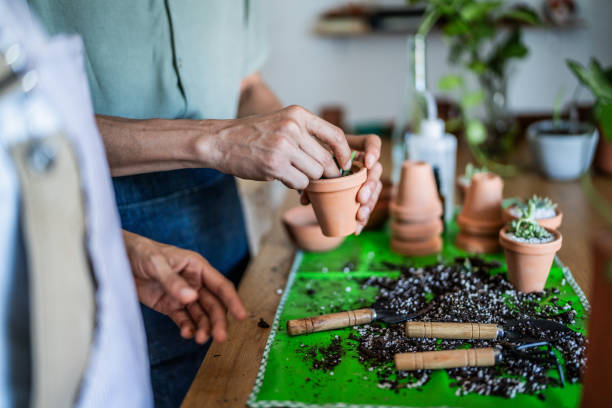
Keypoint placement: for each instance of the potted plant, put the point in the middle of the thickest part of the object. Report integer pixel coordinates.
(546, 212)
(463, 181)
(484, 38)
(530, 250)
(335, 202)
(599, 81)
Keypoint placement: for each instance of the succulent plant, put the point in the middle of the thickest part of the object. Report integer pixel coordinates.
(542, 203)
(470, 170)
(527, 227)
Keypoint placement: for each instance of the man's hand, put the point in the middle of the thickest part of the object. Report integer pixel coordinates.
(368, 148)
(290, 145)
(184, 286)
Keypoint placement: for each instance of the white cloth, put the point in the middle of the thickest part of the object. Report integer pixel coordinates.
(118, 369)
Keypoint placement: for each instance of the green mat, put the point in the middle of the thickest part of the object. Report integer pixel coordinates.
(326, 283)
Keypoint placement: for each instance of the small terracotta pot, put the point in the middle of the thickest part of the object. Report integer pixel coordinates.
(304, 230)
(407, 231)
(380, 212)
(477, 244)
(482, 210)
(603, 156)
(417, 196)
(417, 248)
(552, 223)
(335, 201)
(529, 264)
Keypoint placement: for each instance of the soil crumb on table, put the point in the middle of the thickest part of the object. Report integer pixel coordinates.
(263, 324)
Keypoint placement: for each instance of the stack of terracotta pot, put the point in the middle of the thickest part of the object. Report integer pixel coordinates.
(481, 216)
(416, 212)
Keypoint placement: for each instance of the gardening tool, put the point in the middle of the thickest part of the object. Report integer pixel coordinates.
(479, 357)
(467, 331)
(349, 318)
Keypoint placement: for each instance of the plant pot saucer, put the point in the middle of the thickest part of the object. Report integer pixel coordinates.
(479, 227)
(417, 248)
(421, 215)
(406, 231)
(477, 244)
(552, 222)
(304, 230)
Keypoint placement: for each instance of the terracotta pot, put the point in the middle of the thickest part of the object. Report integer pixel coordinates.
(380, 212)
(552, 223)
(417, 248)
(335, 201)
(477, 244)
(462, 188)
(417, 196)
(304, 230)
(596, 392)
(603, 156)
(529, 264)
(482, 211)
(407, 231)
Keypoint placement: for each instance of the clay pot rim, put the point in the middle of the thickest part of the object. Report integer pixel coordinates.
(432, 228)
(300, 232)
(339, 183)
(416, 214)
(418, 248)
(528, 248)
(508, 216)
(480, 224)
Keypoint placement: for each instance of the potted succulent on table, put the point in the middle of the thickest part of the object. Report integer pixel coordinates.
(530, 250)
(546, 212)
(335, 202)
(599, 81)
(463, 181)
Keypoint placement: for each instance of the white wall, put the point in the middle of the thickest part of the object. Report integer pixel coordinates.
(366, 74)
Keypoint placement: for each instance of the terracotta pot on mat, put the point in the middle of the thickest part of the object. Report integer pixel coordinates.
(417, 196)
(380, 212)
(552, 222)
(529, 263)
(603, 156)
(482, 211)
(417, 248)
(335, 201)
(596, 391)
(304, 230)
(478, 244)
(407, 231)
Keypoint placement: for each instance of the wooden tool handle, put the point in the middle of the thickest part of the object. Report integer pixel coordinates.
(476, 357)
(442, 330)
(329, 321)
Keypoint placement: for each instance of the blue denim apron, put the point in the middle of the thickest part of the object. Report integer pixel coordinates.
(195, 209)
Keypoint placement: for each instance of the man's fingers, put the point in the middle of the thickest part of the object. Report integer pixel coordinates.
(314, 149)
(369, 144)
(202, 321)
(225, 291)
(184, 322)
(293, 178)
(215, 310)
(171, 281)
(306, 164)
(367, 190)
(366, 209)
(329, 134)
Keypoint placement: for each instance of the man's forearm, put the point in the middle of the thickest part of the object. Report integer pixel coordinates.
(142, 146)
(256, 97)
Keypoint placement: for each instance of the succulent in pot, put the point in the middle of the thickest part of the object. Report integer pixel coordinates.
(562, 150)
(546, 212)
(335, 202)
(530, 250)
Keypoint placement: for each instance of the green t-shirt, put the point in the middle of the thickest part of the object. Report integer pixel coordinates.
(163, 59)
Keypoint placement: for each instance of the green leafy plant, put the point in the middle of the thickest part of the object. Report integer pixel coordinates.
(470, 170)
(349, 171)
(599, 82)
(527, 227)
(484, 37)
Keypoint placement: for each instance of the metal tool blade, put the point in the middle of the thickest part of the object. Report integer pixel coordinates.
(550, 325)
(392, 318)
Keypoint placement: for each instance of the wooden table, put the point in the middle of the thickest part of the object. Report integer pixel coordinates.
(228, 372)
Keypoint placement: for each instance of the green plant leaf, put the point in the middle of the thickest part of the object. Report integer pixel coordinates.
(449, 82)
(603, 114)
(475, 132)
(478, 67)
(594, 78)
(520, 15)
(472, 99)
(478, 10)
